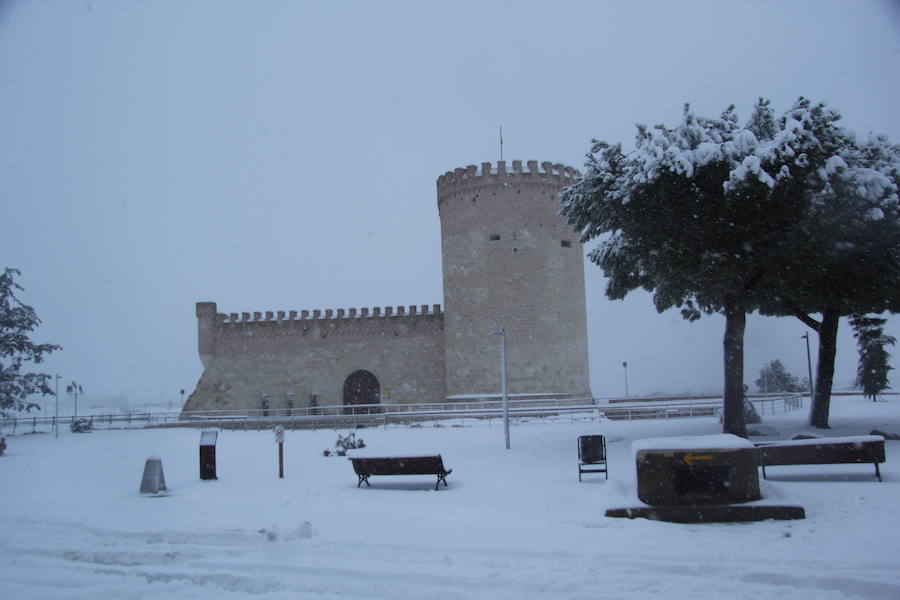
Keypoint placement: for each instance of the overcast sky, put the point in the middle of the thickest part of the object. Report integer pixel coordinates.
(283, 155)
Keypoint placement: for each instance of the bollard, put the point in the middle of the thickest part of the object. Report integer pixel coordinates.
(208, 454)
(153, 480)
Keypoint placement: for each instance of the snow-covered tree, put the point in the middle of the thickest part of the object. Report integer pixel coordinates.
(845, 257)
(773, 377)
(17, 321)
(872, 370)
(690, 216)
(712, 216)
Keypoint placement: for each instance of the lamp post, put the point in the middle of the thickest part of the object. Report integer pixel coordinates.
(75, 389)
(182, 399)
(625, 366)
(809, 367)
(504, 382)
(56, 410)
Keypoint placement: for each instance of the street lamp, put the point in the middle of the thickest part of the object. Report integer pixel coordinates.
(625, 366)
(809, 366)
(182, 399)
(504, 382)
(56, 415)
(75, 389)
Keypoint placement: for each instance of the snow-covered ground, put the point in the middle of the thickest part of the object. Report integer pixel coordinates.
(511, 524)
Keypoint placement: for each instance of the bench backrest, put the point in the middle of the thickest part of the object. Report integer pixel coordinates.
(824, 453)
(401, 465)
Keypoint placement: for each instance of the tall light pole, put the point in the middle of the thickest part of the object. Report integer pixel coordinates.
(75, 389)
(504, 382)
(809, 367)
(56, 415)
(625, 366)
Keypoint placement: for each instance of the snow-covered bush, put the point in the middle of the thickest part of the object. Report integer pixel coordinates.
(81, 426)
(344, 443)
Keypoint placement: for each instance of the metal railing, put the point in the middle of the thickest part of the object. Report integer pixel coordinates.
(704, 408)
(369, 415)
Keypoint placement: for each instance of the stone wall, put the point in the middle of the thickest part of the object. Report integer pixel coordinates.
(288, 356)
(510, 260)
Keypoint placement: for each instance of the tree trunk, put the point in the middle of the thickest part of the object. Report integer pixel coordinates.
(818, 411)
(733, 345)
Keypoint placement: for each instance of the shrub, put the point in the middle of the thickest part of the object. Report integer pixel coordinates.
(81, 426)
(344, 443)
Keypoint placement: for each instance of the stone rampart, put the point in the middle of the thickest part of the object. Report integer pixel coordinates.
(287, 357)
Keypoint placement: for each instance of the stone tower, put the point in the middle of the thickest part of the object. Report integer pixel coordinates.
(510, 260)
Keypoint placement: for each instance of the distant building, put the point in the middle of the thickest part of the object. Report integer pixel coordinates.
(509, 260)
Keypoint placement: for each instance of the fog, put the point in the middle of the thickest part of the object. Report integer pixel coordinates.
(283, 156)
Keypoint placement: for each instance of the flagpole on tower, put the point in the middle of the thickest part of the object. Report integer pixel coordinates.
(501, 142)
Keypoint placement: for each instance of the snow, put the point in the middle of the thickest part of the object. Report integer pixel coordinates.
(512, 523)
(722, 441)
(849, 439)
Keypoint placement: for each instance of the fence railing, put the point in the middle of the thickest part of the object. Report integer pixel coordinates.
(704, 408)
(368, 415)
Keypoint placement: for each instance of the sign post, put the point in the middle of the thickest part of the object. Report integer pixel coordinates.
(279, 439)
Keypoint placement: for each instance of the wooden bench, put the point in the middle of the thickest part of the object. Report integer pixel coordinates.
(400, 465)
(823, 451)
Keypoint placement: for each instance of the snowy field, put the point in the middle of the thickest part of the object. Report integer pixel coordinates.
(511, 524)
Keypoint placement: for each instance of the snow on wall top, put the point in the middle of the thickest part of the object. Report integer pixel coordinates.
(722, 441)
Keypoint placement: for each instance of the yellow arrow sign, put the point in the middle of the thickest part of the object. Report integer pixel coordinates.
(690, 457)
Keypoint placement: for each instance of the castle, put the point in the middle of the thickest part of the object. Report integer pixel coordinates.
(509, 260)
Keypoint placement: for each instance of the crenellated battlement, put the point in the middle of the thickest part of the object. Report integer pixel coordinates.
(499, 174)
(353, 323)
(340, 314)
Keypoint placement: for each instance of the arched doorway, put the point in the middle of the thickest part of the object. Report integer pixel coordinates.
(361, 387)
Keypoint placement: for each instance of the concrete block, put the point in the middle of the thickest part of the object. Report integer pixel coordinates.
(716, 469)
(153, 481)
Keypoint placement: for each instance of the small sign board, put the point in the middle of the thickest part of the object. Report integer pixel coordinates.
(208, 437)
(279, 434)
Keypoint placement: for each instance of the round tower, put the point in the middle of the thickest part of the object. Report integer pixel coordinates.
(511, 261)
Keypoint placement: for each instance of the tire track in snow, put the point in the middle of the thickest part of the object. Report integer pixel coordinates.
(65, 560)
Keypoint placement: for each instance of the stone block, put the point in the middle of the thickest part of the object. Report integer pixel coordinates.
(716, 469)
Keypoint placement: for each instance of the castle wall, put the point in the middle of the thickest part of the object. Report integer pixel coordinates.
(289, 356)
(510, 260)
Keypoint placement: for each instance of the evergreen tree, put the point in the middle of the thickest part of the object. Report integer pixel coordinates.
(773, 377)
(17, 321)
(689, 216)
(790, 216)
(845, 257)
(872, 370)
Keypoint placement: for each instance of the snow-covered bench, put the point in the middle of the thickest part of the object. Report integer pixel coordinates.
(823, 451)
(400, 465)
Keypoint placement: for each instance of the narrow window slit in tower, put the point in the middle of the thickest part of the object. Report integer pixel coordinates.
(494, 237)
(566, 244)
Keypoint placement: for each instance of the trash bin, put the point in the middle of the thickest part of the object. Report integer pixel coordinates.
(208, 454)
(591, 455)
(591, 448)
